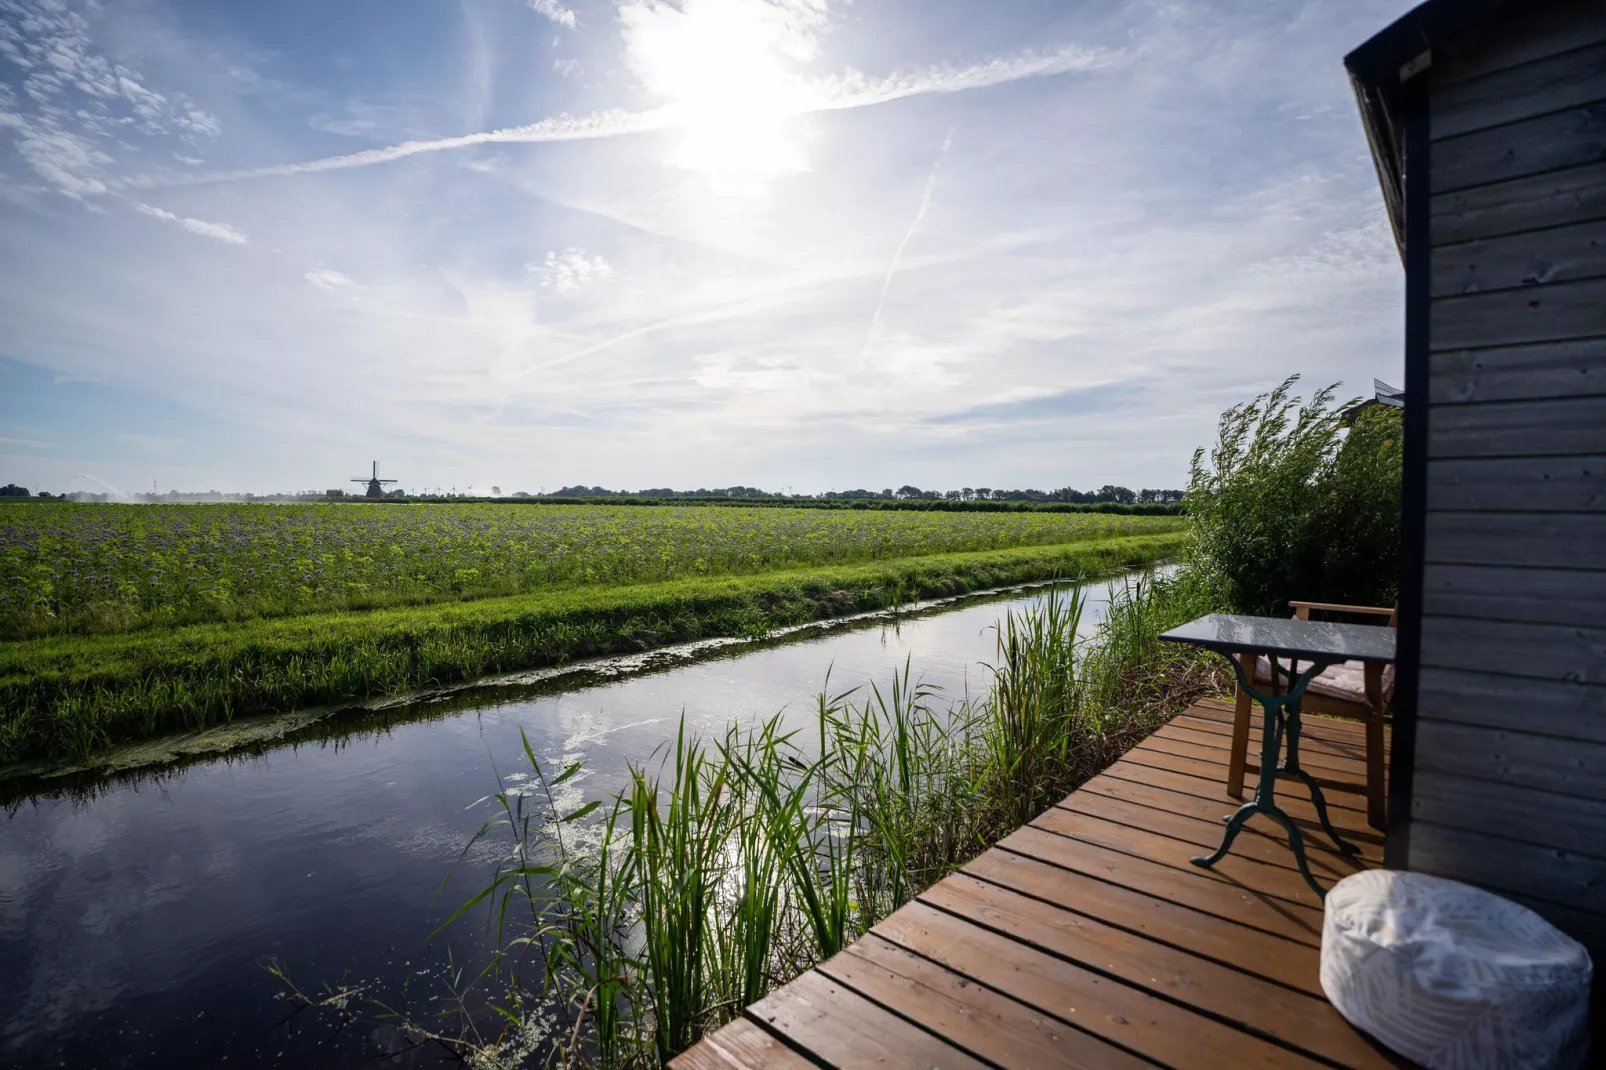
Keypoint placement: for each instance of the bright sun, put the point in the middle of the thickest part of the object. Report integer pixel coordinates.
(727, 68)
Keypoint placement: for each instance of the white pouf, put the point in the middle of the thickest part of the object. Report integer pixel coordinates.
(1452, 976)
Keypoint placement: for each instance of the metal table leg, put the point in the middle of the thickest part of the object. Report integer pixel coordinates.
(1282, 715)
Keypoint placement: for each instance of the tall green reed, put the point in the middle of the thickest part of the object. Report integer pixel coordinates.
(726, 869)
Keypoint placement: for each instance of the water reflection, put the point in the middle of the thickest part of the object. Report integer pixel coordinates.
(135, 912)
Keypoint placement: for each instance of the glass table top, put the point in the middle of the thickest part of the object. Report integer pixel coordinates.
(1232, 633)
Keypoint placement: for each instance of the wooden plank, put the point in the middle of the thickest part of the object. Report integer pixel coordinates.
(1353, 748)
(1516, 813)
(1554, 427)
(1212, 813)
(1552, 199)
(1152, 1027)
(1213, 748)
(1350, 820)
(1554, 764)
(1547, 651)
(1551, 313)
(1519, 373)
(1565, 80)
(1325, 862)
(1338, 729)
(1519, 484)
(1530, 540)
(1544, 143)
(1196, 931)
(1219, 734)
(1539, 595)
(1045, 836)
(1524, 35)
(990, 1026)
(1551, 874)
(1555, 707)
(1528, 259)
(844, 1029)
(1299, 1021)
(740, 1045)
(1342, 797)
(1338, 756)
(1339, 734)
(1194, 888)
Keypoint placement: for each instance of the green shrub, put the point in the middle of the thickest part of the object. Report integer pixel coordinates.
(1290, 506)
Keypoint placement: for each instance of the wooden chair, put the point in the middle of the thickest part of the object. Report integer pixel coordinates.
(1355, 690)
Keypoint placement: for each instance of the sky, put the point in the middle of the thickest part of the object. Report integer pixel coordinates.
(794, 244)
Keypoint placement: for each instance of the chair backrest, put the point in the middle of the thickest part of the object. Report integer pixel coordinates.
(1302, 610)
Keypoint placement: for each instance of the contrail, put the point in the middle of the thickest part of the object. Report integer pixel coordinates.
(897, 256)
(834, 94)
(563, 128)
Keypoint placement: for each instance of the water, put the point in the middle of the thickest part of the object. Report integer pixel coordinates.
(136, 915)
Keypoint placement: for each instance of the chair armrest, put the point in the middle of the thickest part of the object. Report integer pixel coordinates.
(1375, 611)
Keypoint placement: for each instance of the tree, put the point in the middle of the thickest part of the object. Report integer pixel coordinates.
(11, 490)
(1288, 506)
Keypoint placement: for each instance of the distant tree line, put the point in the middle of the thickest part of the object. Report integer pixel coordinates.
(580, 490)
(1108, 493)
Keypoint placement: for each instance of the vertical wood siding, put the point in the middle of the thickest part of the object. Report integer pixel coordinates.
(1510, 760)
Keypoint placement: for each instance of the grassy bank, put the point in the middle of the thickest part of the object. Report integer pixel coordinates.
(728, 866)
(69, 695)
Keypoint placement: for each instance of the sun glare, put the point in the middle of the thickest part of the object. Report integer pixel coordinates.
(728, 69)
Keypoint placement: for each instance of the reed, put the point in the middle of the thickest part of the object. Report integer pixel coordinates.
(724, 870)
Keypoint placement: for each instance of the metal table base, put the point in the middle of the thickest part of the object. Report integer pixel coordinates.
(1282, 718)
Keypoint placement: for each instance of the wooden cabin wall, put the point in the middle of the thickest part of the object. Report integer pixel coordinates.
(1509, 786)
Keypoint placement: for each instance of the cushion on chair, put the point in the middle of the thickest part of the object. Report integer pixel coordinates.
(1346, 680)
(1453, 977)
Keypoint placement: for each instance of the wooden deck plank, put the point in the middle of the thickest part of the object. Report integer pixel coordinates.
(1153, 1027)
(1303, 1022)
(1272, 957)
(1219, 734)
(1087, 938)
(992, 1026)
(1327, 733)
(1343, 757)
(846, 1030)
(1341, 795)
(1318, 726)
(1047, 839)
(1214, 812)
(1348, 774)
(1296, 804)
(1191, 887)
(1325, 862)
(741, 1045)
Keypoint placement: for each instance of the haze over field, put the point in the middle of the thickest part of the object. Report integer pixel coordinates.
(795, 243)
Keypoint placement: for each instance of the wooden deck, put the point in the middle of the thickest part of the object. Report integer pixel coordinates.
(1087, 939)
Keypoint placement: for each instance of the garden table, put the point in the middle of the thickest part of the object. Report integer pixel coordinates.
(1309, 646)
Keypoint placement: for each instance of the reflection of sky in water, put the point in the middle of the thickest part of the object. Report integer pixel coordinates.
(133, 925)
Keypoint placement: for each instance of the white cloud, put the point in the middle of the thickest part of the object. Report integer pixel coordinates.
(554, 11)
(785, 96)
(570, 270)
(217, 231)
(80, 106)
(327, 278)
(569, 68)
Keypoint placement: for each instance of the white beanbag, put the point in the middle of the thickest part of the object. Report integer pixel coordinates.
(1452, 976)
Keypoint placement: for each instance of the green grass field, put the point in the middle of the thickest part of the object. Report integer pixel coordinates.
(71, 691)
(108, 568)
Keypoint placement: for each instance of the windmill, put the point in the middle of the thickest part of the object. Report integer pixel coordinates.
(375, 490)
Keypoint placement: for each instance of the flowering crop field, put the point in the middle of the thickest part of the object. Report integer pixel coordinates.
(105, 568)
